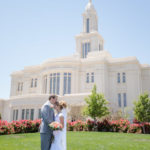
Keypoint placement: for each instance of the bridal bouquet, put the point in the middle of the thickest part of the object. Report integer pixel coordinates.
(55, 126)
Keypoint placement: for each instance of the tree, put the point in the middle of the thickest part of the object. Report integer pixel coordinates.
(142, 108)
(0, 117)
(96, 105)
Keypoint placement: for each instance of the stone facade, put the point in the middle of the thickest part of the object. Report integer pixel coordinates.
(121, 80)
(1, 107)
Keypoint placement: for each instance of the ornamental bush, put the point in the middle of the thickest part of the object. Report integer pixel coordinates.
(90, 125)
(121, 125)
(124, 125)
(135, 128)
(79, 125)
(18, 127)
(146, 127)
(6, 128)
(70, 126)
(23, 126)
(115, 126)
(104, 126)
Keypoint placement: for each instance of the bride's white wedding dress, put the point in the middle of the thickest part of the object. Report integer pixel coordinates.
(58, 136)
(64, 133)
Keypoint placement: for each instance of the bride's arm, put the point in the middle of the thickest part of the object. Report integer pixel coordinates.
(62, 120)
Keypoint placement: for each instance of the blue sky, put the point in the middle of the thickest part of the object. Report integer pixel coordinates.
(32, 31)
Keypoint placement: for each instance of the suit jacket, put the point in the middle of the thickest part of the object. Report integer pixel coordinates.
(47, 115)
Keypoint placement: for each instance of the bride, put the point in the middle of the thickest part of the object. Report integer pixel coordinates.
(64, 111)
(58, 143)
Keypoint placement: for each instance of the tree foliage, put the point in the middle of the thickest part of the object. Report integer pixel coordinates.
(96, 105)
(142, 108)
(0, 117)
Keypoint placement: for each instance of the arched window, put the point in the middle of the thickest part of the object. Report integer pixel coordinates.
(124, 77)
(92, 77)
(35, 83)
(32, 114)
(119, 100)
(58, 84)
(21, 86)
(125, 99)
(27, 114)
(88, 25)
(118, 77)
(39, 113)
(87, 78)
(18, 86)
(23, 114)
(85, 49)
(15, 114)
(67, 83)
(54, 83)
(32, 80)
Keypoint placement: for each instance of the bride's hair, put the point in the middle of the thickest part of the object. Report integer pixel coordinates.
(58, 104)
(63, 104)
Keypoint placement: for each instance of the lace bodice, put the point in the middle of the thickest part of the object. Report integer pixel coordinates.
(57, 117)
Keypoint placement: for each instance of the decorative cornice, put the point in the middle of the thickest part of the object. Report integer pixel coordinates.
(28, 96)
(124, 60)
(98, 57)
(145, 66)
(91, 34)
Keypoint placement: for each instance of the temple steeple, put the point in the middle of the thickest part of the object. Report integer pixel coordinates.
(90, 21)
(89, 40)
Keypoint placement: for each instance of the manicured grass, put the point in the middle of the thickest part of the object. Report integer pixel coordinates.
(80, 141)
(108, 141)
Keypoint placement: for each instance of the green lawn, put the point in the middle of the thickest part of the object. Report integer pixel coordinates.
(80, 141)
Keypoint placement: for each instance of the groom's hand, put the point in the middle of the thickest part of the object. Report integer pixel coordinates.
(51, 106)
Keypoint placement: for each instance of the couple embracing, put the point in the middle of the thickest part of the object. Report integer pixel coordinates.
(53, 140)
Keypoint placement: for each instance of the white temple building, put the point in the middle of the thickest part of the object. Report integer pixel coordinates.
(121, 80)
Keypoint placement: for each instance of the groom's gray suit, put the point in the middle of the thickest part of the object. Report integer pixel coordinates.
(47, 114)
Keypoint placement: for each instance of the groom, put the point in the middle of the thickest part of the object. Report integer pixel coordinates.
(47, 114)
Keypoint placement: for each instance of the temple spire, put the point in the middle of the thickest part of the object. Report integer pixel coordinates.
(89, 40)
(90, 20)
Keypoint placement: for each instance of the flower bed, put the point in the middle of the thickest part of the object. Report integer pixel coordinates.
(90, 125)
(104, 126)
(135, 128)
(79, 126)
(120, 125)
(23, 126)
(70, 126)
(147, 127)
(109, 126)
(28, 126)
